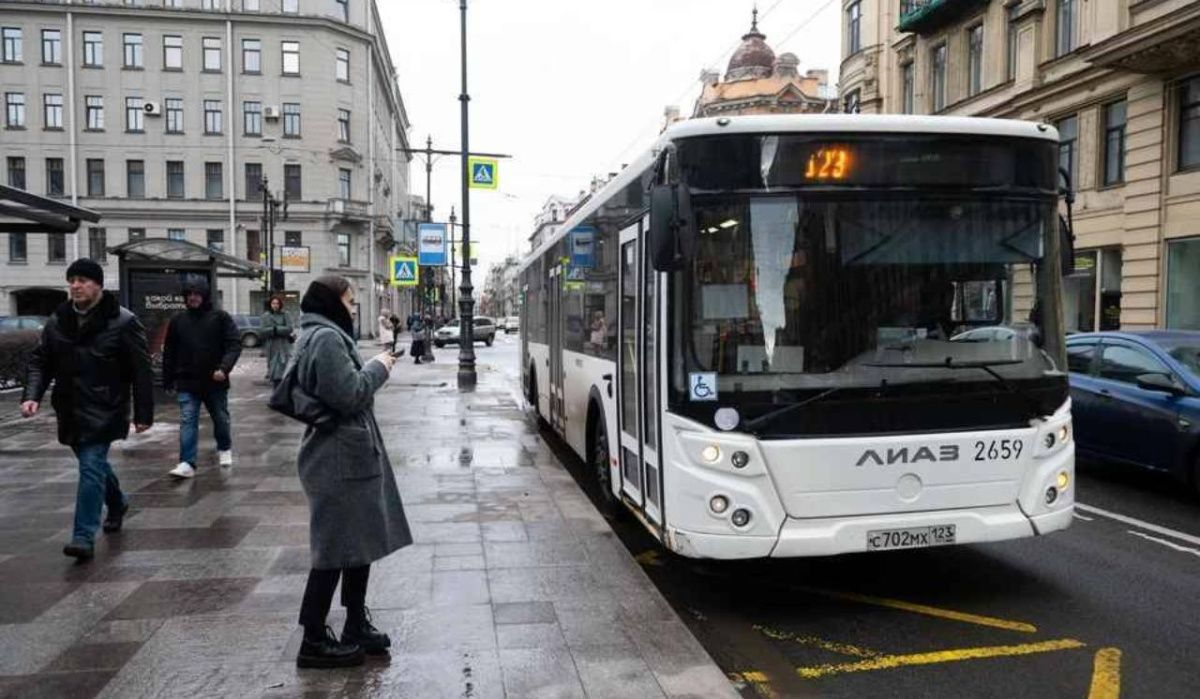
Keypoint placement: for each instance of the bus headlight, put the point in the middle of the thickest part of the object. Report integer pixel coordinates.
(740, 517)
(739, 459)
(1064, 433)
(1048, 441)
(711, 453)
(1051, 495)
(718, 504)
(1063, 480)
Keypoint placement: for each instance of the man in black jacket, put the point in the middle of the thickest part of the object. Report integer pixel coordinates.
(199, 352)
(95, 352)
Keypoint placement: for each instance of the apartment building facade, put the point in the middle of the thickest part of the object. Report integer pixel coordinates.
(165, 116)
(1120, 80)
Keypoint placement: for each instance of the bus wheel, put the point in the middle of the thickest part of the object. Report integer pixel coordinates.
(599, 462)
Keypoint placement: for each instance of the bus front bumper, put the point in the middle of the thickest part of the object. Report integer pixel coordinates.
(836, 535)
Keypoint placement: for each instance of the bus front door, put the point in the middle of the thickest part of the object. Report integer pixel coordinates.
(637, 413)
(555, 337)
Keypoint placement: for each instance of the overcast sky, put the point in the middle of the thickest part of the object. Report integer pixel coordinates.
(571, 89)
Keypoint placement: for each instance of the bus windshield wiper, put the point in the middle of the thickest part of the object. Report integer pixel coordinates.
(768, 418)
(949, 363)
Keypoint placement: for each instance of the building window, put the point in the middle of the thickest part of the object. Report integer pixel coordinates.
(212, 117)
(251, 56)
(343, 248)
(98, 245)
(250, 5)
(55, 182)
(291, 119)
(210, 5)
(1092, 294)
(57, 244)
(1065, 39)
(1183, 278)
(252, 118)
(52, 110)
(291, 57)
(293, 239)
(93, 49)
(854, 27)
(253, 181)
(1114, 143)
(975, 60)
(292, 6)
(1189, 124)
(14, 110)
(213, 188)
(132, 44)
(215, 239)
(343, 183)
(254, 246)
(95, 177)
(18, 249)
(344, 125)
(175, 179)
(52, 47)
(135, 115)
(16, 172)
(135, 179)
(94, 111)
(212, 54)
(137, 234)
(173, 53)
(291, 181)
(850, 104)
(176, 234)
(174, 109)
(1011, 42)
(939, 78)
(343, 65)
(173, 3)
(11, 52)
(1068, 135)
(909, 87)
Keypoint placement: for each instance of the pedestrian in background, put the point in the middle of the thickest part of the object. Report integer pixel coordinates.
(395, 320)
(200, 350)
(417, 349)
(276, 331)
(387, 333)
(356, 515)
(95, 353)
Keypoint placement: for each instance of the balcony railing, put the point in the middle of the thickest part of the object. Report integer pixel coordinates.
(924, 16)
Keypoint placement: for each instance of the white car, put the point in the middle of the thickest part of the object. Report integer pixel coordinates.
(510, 324)
(484, 331)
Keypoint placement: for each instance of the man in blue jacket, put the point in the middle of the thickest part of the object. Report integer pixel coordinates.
(199, 352)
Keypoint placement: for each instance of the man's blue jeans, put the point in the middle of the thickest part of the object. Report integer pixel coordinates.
(217, 402)
(98, 486)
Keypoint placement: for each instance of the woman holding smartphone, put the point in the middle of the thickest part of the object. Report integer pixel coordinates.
(356, 513)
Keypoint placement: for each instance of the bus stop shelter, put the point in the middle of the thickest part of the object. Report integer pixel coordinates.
(154, 271)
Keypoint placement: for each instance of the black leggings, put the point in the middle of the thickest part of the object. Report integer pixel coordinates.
(318, 594)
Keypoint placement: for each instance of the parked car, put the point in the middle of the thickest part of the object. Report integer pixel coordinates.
(19, 336)
(511, 324)
(22, 323)
(484, 331)
(249, 326)
(1136, 399)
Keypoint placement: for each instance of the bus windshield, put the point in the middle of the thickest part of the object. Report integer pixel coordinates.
(869, 310)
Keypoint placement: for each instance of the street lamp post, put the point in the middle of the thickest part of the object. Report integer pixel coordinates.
(466, 321)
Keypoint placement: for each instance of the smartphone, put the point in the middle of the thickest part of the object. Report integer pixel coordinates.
(398, 353)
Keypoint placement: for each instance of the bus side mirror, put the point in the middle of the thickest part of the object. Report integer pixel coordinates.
(1066, 247)
(669, 241)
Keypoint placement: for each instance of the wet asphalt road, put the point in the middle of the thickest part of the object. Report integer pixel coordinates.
(1110, 605)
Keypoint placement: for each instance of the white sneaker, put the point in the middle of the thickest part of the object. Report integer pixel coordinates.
(225, 458)
(183, 470)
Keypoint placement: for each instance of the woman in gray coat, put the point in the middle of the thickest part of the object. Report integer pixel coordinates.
(277, 339)
(356, 514)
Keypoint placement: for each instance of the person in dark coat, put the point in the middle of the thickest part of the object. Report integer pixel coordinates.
(95, 353)
(200, 350)
(417, 349)
(276, 331)
(356, 513)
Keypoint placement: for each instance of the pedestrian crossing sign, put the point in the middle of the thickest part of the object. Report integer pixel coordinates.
(405, 271)
(484, 173)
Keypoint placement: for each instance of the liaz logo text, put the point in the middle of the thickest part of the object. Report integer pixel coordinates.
(908, 455)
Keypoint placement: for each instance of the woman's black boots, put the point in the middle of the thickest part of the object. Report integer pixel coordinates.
(321, 649)
(360, 632)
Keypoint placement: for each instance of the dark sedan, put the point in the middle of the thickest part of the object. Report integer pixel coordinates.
(1136, 399)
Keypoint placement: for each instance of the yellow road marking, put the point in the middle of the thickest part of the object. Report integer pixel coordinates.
(758, 681)
(1106, 674)
(927, 610)
(888, 662)
(813, 641)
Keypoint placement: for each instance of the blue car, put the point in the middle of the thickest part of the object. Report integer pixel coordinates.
(1136, 399)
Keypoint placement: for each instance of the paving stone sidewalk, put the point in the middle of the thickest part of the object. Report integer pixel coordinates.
(515, 587)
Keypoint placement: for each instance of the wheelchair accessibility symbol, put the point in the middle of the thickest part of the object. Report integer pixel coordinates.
(702, 386)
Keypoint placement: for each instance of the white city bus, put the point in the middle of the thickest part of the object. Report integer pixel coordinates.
(812, 335)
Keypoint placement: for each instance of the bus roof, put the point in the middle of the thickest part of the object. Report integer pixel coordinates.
(799, 123)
